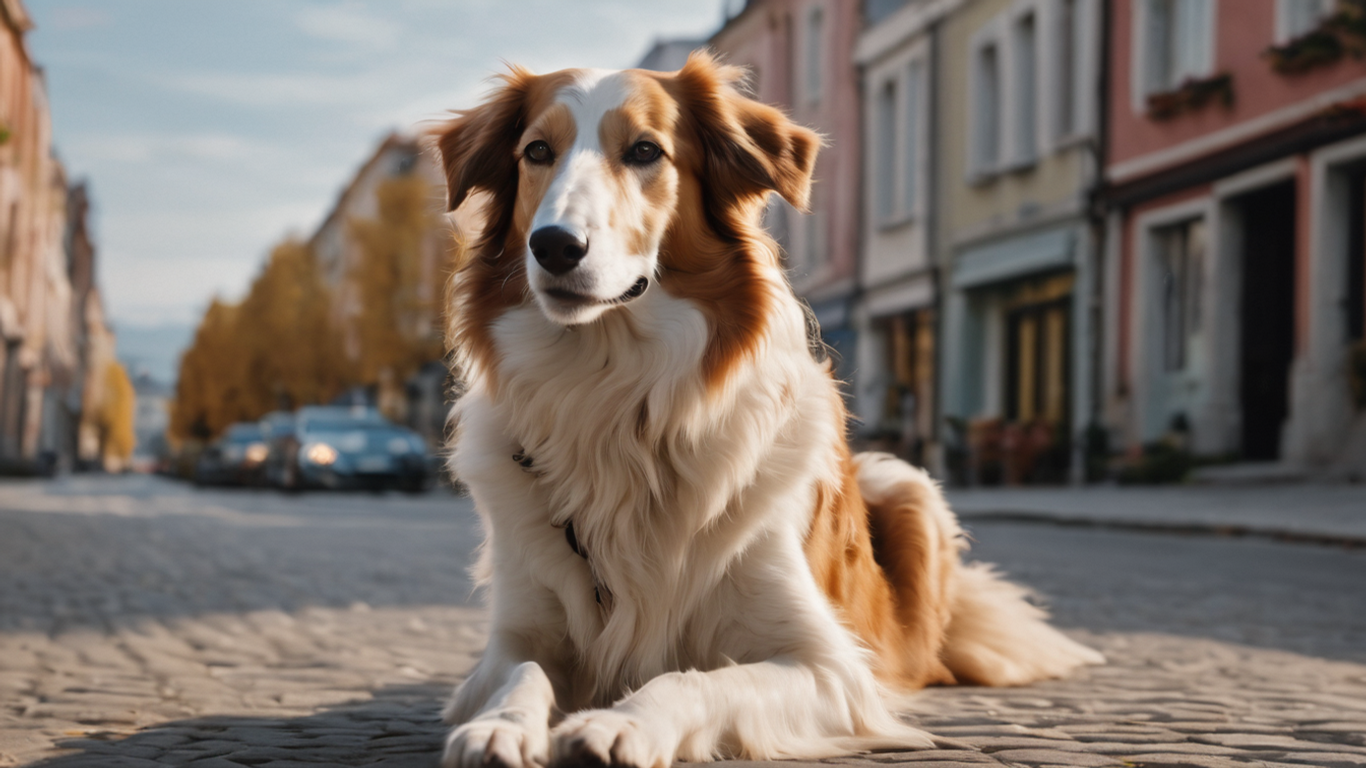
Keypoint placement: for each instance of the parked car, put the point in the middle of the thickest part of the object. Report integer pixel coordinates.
(349, 448)
(277, 428)
(235, 458)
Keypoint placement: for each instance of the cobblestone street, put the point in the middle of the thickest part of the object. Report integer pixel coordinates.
(146, 623)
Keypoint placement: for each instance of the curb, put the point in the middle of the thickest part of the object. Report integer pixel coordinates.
(1229, 530)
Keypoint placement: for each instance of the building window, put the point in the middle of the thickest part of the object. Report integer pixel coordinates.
(1180, 260)
(1026, 87)
(911, 162)
(1068, 58)
(885, 143)
(987, 126)
(1178, 42)
(1295, 18)
(814, 238)
(895, 144)
(815, 34)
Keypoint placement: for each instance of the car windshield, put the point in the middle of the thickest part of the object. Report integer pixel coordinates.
(243, 433)
(354, 437)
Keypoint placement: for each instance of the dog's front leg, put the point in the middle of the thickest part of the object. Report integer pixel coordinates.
(505, 708)
(765, 710)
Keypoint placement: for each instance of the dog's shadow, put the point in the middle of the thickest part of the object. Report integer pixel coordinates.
(399, 727)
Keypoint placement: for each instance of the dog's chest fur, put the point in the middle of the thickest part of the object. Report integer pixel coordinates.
(666, 484)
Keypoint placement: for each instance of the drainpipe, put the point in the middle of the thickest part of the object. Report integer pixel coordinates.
(937, 460)
(1098, 210)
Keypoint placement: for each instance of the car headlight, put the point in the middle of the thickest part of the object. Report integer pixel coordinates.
(257, 452)
(321, 454)
(399, 445)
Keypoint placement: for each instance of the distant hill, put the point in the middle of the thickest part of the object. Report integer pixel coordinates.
(153, 349)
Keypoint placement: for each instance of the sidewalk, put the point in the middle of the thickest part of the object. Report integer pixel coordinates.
(1303, 512)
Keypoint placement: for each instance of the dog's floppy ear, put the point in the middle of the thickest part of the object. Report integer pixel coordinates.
(478, 148)
(748, 148)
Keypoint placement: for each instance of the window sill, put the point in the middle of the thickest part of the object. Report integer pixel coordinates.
(896, 221)
(983, 177)
(1192, 95)
(980, 178)
(1072, 141)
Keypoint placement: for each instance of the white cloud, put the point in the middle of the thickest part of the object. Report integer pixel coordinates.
(280, 90)
(348, 23)
(80, 17)
(160, 147)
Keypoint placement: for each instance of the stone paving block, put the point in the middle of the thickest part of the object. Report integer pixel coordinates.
(997, 743)
(1264, 741)
(1055, 757)
(1326, 759)
(929, 763)
(1177, 760)
(920, 759)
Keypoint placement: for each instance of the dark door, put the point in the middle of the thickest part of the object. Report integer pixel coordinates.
(1267, 317)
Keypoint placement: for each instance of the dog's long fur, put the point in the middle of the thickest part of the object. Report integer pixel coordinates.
(742, 585)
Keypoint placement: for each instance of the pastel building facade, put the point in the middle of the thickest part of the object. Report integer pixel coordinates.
(799, 54)
(1235, 198)
(54, 343)
(1016, 108)
(896, 315)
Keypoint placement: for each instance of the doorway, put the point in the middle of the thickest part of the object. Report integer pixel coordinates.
(1267, 318)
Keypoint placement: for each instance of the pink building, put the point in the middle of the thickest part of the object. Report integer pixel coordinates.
(1236, 190)
(49, 305)
(800, 57)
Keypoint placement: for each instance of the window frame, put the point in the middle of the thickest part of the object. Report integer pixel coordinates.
(1283, 18)
(1142, 63)
(985, 129)
(1025, 55)
(896, 157)
(814, 34)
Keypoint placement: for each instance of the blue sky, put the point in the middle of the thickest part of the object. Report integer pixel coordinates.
(210, 130)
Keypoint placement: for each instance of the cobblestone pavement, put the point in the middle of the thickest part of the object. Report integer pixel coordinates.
(143, 623)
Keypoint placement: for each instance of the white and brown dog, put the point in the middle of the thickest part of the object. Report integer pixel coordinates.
(683, 560)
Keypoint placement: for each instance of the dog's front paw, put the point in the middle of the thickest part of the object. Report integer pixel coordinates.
(605, 737)
(496, 743)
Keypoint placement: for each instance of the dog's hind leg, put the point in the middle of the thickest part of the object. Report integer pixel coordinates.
(918, 544)
(984, 628)
(505, 708)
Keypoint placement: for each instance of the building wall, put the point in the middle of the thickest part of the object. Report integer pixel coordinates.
(1242, 30)
(46, 272)
(981, 203)
(772, 39)
(894, 380)
(337, 250)
(1297, 133)
(1014, 244)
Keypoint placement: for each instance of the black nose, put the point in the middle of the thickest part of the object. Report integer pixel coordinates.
(557, 249)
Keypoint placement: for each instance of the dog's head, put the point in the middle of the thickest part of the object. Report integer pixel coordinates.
(592, 174)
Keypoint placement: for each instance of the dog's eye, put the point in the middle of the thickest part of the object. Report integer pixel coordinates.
(538, 152)
(643, 153)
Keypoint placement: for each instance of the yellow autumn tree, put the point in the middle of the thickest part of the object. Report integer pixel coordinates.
(295, 355)
(209, 387)
(115, 418)
(276, 349)
(398, 327)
